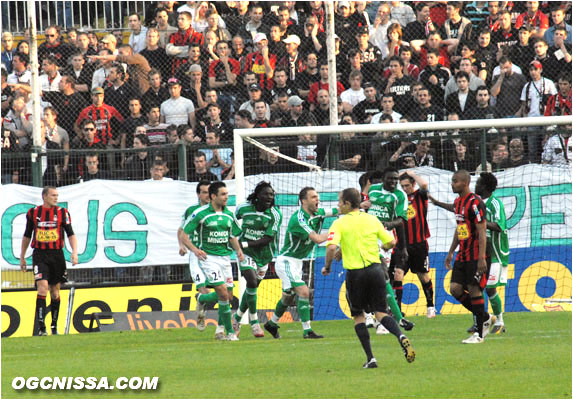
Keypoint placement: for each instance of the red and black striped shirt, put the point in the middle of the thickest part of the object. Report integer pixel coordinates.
(46, 227)
(179, 38)
(469, 210)
(416, 224)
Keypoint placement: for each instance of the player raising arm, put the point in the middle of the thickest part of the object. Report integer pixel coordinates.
(259, 239)
(301, 237)
(218, 231)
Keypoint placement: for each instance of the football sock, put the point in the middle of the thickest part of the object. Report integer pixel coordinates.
(477, 310)
(392, 303)
(303, 307)
(392, 326)
(55, 306)
(397, 286)
(364, 337)
(279, 311)
(243, 305)
(429, 293)
(251, 300)
(209, 298)
(495, 301)
(465, 301)
(225, 316)
(253, 318)
(41, 310)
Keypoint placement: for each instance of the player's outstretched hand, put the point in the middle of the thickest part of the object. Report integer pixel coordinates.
(325, 271)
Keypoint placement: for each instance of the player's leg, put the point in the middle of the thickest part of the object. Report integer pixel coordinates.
(420, 265)
(303, 307)
(55, 306)
(391, 300)
(58, 275)
(40, 313)
(249, 298)
(204, 295)
(213, 269)
(287, 297)
(253, 314)
(399, 274)
(497, 277)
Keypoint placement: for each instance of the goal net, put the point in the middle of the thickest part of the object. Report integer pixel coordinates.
(536, 197)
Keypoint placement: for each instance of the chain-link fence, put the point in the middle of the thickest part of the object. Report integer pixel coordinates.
(156, 89)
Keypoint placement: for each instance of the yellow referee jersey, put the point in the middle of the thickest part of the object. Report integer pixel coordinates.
(358, 233)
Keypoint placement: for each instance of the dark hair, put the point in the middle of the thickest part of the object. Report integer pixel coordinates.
(564, 76)
(489, 181)
(23, 57)
(258, 189)
(405, 176)
(469, 44)
(203, 182)
(462, 74)
(302, 194)
(181, 129)
(153, 71)
(376, 177)
(86, 122)
(51, 59)
(245, 115)
(171, 127)
(198, 154)
(420, 6)
(352, 196)
(482, 87)
(363, 180)
(71, 80)
(215, 186)
(143, 138)
(435, 52)
(504, 59)
(397, 59)
(386, 117)
(388, 170)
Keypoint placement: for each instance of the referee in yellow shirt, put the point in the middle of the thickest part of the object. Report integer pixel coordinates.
(357, 233)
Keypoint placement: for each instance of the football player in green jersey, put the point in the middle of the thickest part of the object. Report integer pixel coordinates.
(218, 232)
(303, 233)
(259, 239)
(497, 244)
(387, 202)
(196, 273)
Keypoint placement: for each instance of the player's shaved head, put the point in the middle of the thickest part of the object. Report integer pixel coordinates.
(463, 175)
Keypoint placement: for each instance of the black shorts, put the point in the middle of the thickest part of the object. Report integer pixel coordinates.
(50, 265)
(366, 289)
(417, 259)
(465, 273)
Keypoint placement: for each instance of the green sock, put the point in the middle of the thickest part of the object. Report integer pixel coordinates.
(244, 304)
(208, 298)
(392, 303)
(495, 304)
(279, 311)
(225, 316)
(303, 307)
(252, 299)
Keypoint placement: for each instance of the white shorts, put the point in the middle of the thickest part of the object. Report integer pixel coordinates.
(217, 270)
(249, 263)
(197, 275)
(497, 275)
(289, 270)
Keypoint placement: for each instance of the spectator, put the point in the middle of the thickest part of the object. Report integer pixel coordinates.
(499, 158)
(157, 92)
(352, 155)
(21, 76)
(522, 53)
(261, 62)
(435, 77)
(402, 13)
(558, 18)
(216, 25)
(138, 165)
(194, 88)
(249, 29)
(280, 110)
(223, 73)
(557, 150)
(218, 159)
(516, 153)
(422, 156)
(559, 53)
(426, 111)
(50, 79)
(485, 56)
(536, 92)
(298, 116)
(238, 51)
(287, 25)
(179, 42)
(201, 14)
(106, 118)
(158, 172)
(8, 51)
(83, 45)
(51, 162)
(58, 135)
(6, 92)
(177, 110)
(201, 172)
(259, 109)
(506, 35)
(110, 41)
(533, 17)
(276, 45)
(560, 104)
(238, 18)
(305, 150)
(162, 24)
(94, 41)
(282, 85)
(482, 110)
(354, 94)
(399, 85)
(134, 119)
(433, 41)
(507, 89)
(118, 90)
(92, 170)
(419, 29)
(464, 99)
(491, 22)
(364, 111)
(99, 76)
(322, 112)
(138, 34)
(312, 38)
(54, 46)
(81, 75)
(201, 116)
(269, 163)
(370, 56)
(387, 103)
(394, 42)
(322, 84)
(346, 23)
(456, 29)
(463, 159)
(255, 94)
(214, 123)
(292, 61)
(379, 29)
(155, 55)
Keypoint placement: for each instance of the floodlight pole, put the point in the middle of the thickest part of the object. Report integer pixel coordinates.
(36, 109)
(331, 57)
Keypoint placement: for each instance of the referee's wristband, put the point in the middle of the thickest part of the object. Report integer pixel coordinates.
(245, 244)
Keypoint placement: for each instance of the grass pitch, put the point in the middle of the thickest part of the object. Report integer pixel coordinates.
(531, 360)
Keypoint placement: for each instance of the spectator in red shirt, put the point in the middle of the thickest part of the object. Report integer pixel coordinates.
(106, 118)
(322, 84)
(560, 104)
(223, 72)
(179, 41)
(533, 17)
(261, 62)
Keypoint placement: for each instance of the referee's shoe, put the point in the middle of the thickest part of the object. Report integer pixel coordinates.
(407, 348)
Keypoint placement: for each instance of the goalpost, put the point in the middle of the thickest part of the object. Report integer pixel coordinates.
(537, 201)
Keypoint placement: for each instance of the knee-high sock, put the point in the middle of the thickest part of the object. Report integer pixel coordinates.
(398, 290)
(303, 306)
(479, 313)
(495, 301)
(429, 293)
(390, 324)
(364, 337)
(55, 306)
(465, 300)
(41, 310)
(392, 303)
(225, 315)
(279, 311)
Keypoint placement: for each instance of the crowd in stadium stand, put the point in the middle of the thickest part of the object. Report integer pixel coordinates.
(192, 72)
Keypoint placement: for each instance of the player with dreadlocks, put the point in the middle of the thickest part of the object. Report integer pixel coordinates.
(259, 239)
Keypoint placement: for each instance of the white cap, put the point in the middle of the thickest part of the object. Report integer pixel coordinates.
(259, 36)
(292, 39)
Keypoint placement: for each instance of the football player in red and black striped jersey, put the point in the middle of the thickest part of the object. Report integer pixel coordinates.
(471, 265)
(45, 227)
(417, 234)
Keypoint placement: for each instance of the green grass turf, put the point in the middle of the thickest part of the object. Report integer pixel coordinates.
(531, 360)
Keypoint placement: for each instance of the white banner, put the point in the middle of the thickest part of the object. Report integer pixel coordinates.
(121, 223)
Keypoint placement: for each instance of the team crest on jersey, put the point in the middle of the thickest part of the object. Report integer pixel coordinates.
(212, 223)
(249, 222)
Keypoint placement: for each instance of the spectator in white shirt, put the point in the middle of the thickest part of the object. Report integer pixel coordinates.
(557, 150)
(402, 13)
(50, 79)
(177, 110)
(138, 33)
(355, 94)
(535, 93)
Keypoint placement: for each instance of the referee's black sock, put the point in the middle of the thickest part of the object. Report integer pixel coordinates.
(390, 323)
(364, 337)
(41, 310)
(429, 293)
(398, 290)
(55, 306)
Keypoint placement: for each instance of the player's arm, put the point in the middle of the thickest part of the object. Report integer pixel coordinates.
(482, 241)
(330, 255)
(262, 242)
(422, 182)
(318, 237)
(493, 226)
(25, 243)
(237, 247)
(182, 247)
(73, 240)
(453, 246)
(445, 206)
